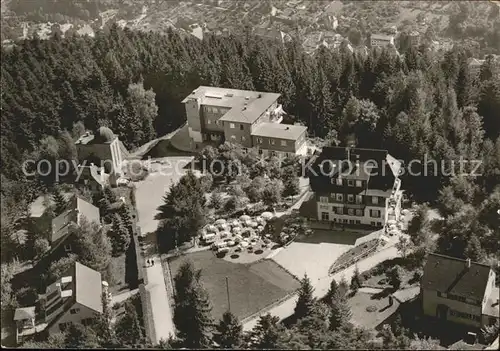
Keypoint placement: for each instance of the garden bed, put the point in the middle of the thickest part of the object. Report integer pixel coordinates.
(354, 254)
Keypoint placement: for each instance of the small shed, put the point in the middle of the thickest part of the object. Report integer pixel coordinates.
(25, 317)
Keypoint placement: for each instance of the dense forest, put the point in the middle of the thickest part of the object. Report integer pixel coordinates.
(415, 105)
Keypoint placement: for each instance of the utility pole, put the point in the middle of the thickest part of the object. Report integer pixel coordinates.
(227, 290)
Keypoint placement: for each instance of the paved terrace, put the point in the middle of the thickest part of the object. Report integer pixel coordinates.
(322, 284)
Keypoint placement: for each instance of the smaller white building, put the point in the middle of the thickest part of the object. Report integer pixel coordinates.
(381, 40)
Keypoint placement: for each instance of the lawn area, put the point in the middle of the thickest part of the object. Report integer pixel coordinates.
(376, 277)
(252, 287)
(315, 254)
(115, 274)
(368, 311)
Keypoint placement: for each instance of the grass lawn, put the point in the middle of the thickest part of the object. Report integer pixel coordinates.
(376, 277)
(369, 312)
(251, 286)
(116, 274)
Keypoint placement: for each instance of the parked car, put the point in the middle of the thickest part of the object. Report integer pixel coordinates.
(208, 238)
(219, 245)
(222, 250)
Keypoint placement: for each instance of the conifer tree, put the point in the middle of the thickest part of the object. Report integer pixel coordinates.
(306, 301)
(192, 313)
(267, 334)
(229, 331)
(340, 312)
(128, 328)
(356, 280)
(119, 235)
(60, 201)
(332, 290)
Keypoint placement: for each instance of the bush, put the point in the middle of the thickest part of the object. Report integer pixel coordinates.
(207, 182)
(232, 204)
(27, 296)
(216, 200)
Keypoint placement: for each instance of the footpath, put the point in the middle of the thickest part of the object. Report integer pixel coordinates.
(160, 324)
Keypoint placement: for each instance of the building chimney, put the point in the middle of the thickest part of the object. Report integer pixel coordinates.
(467, 262)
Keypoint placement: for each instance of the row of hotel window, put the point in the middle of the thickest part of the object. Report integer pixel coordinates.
(464, 315)
(459, 298)
(259, 140)
(350, 198)
(351, 211)
(325, 216)
(350, 182)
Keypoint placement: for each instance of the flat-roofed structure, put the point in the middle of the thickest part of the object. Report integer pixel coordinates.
(248, 118)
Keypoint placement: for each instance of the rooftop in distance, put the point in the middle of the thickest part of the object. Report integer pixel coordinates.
(381, 36)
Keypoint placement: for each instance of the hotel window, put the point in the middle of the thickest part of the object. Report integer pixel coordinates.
(350, 212)
(350, 182)
(259, 140)
(374, 200)
(339, 181)
(351, 221)
(372, 224)
(375, 213)
(325, 216)
(359, 183)
(324, 207)
(339, 210)
(359, 199)
(350, 198)
(74, 310)
(241, 126)
(232, 126)
(323, 199)
(67, 248)
(359, 213)
(260, 151)
(344, 220)
(340, 197)
(379, 224)
(283, 142)
(358, 221)
(271, 141)
(215, 110)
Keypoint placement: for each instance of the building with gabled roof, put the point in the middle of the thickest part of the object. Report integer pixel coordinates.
(459, 291)
(248, 118)
(74, 298)
(354, 186)
(76, 210)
